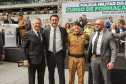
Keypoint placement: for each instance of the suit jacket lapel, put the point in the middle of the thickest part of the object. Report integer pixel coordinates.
(35, 37)
(103, 37)
(61, 33)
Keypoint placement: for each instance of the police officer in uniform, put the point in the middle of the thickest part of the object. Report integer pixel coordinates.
(22, 25)
(76, 42)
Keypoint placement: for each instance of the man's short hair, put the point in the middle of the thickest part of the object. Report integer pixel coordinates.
(122, 16)
(20, 15)
(110, 17)
(8, 15)
(84, 15)
(54, 16)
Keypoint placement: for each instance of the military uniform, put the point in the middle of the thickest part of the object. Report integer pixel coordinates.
(76, 56)
(89, 30)
(23, 29)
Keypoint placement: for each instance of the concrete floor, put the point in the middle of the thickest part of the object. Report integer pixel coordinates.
(10, 73)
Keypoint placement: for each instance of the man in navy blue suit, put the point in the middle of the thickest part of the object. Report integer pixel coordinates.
(108, 23)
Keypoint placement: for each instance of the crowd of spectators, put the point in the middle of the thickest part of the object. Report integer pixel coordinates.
(114, 27)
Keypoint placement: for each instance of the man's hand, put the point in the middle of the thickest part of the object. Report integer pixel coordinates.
(26, 64)
(110, 65)
(2, 57)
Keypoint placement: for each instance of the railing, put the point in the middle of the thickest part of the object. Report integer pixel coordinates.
(30, 12)
(4, 3)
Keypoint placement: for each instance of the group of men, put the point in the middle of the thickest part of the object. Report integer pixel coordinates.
(52, 43)
(24, 25)
(101, 51)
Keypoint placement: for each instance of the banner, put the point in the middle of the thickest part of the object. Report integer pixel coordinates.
(93, 10)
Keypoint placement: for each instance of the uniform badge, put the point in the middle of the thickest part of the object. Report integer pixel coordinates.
(82, 36)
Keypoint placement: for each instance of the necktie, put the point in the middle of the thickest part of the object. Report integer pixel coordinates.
(54, 42)
(39, 35)
(95, 44)
(9, 21)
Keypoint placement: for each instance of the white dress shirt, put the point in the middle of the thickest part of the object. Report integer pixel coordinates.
(37, 33)
(98, 51)
(121, 31)
(10, 22)
(59, 46)
(113, 31)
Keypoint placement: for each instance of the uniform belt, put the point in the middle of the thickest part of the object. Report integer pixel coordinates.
(77, 56)
(96, 55)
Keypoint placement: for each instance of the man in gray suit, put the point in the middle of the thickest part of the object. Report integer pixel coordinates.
(102, 52)
(122, 35)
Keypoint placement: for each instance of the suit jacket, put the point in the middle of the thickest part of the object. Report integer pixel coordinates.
(123, 29)
(33, 47)
(108, 48)
(63, 36)
(29, 25)
(122, 35)
(1, 46)
(7, 21)
(117, 30)
(108, 24)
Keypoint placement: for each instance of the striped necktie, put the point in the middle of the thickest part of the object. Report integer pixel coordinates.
(95, 44)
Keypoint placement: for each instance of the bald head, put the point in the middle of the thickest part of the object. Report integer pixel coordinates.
(99, 24)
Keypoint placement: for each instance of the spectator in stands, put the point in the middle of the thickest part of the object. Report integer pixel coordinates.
(76, 20)
(54, 11)
(85, 21)
(122, 29)
(71, 25)
(114, 29)
(46, 10)
(22, 25)
(2, 56)
(3, 36)
(81, 22)
(28, 23)
(108, 23)
(47, 25)
(89, 30)
(68, 29)
(121, 21)
(9, 20)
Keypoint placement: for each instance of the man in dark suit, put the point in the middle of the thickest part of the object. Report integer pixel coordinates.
(114, 29)
(28, 23)
(9, 20)
(55, 49)
(2, 56)
(33, 49)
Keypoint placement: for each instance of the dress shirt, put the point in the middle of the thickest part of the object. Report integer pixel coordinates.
(37, 33)
(59, 45)
(121, 31)
(10, 22)
(98, 51)
(113, 31)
